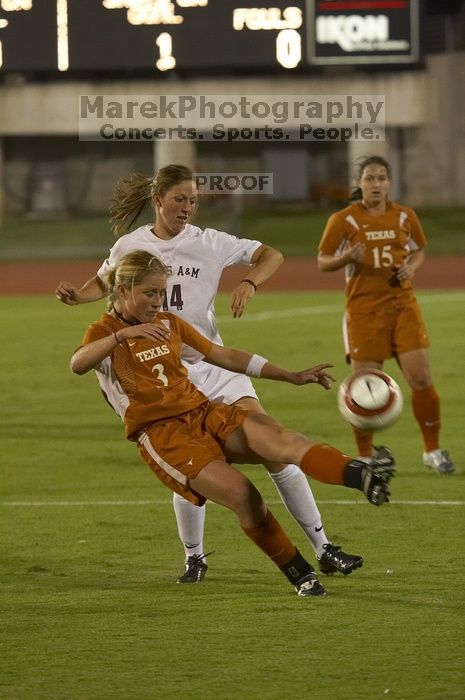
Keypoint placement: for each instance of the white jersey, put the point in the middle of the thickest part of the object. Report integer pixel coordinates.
(196, 259)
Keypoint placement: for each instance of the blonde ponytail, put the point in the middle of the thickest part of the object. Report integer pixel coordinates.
(131, 196)
(134, 193)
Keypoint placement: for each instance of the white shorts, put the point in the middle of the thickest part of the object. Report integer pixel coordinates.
(220, 384)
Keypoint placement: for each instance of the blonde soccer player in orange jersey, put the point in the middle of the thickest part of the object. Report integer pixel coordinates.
(189, 441)
(197, 258)
(381, 245)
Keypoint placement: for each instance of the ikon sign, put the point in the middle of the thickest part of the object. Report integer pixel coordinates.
(362, 31)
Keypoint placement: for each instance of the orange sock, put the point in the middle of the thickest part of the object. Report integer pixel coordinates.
(425, 404)
(325, 463)
(272, 540)
(364, 442)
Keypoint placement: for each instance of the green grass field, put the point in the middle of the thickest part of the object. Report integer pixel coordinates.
(89, 607)
(295, 233)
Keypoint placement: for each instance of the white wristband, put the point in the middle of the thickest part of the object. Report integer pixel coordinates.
(255, 366)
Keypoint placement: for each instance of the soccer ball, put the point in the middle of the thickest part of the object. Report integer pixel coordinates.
(370, 401)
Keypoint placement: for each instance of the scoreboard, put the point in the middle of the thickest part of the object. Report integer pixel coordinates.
(156, 37)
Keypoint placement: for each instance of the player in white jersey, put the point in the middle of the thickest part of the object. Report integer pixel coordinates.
(197, 259)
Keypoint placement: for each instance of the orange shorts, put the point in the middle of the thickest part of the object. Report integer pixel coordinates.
(177, 449)
(386, 333)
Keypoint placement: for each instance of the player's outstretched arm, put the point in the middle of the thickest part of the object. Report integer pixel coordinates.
(265, 261)
(256, 366)
(92, 290)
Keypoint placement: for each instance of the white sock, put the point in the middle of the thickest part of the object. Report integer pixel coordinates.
(190, 520)
(297, 496)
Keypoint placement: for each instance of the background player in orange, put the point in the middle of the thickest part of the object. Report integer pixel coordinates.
(197, 258)
(381, 245)
(135, 350)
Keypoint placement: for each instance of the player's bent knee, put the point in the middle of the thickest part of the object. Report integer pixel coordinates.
(420, 381)
(246, 493)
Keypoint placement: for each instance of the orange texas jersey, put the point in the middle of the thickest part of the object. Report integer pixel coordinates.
(389, 239)
(144, 380)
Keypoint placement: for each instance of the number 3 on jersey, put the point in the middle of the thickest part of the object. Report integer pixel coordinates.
(382, 257)
(175, 298)
(161, 374)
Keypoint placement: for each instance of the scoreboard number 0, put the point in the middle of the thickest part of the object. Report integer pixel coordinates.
(288, 48)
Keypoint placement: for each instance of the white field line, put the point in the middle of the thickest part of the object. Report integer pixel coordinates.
(83, 504)
(330, 308)
(286, 313)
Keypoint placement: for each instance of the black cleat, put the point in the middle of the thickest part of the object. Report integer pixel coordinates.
(309, 585)
(195, 569)
(376, 476)
(334, 560)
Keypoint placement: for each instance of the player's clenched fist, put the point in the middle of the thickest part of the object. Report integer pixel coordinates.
(68, 294)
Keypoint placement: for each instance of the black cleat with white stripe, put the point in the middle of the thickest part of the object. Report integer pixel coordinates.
(334, 560)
